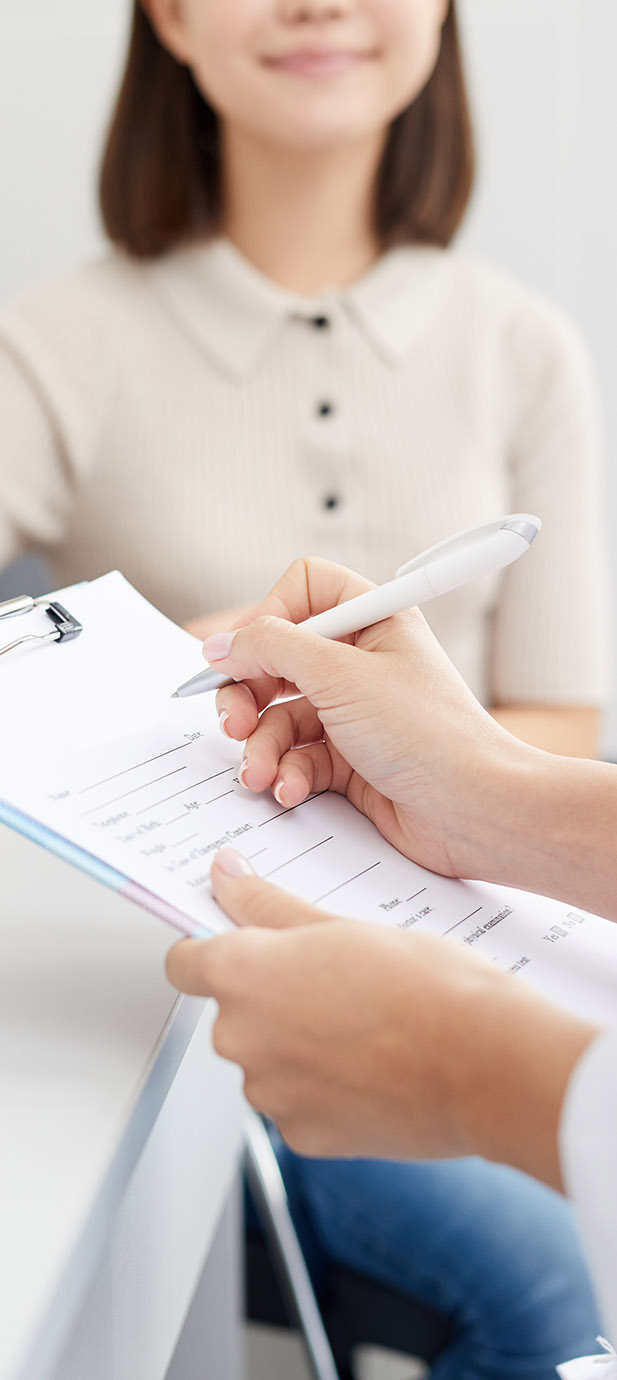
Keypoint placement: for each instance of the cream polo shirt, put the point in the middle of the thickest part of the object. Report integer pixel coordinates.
(193, 424)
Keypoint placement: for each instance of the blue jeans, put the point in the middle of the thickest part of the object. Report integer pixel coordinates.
(491, 1249)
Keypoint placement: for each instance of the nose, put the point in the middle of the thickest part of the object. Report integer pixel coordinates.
(312, 11)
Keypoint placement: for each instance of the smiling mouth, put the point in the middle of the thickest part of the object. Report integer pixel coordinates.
(317, 62)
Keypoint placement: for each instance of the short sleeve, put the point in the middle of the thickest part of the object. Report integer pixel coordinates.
(552, 629)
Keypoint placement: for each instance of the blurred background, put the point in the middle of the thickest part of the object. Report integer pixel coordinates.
(545, 98)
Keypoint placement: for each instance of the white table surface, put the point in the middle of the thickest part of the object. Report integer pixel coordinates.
(92, 1039)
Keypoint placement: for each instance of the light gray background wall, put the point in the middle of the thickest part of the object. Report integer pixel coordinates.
(546, 99)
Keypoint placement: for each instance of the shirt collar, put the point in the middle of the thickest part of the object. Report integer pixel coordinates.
(235, 313)
(392, 303)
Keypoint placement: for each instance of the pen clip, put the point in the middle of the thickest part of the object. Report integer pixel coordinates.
(524, 525)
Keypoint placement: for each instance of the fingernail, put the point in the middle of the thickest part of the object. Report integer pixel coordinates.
(223, 717)
(241, 770)
(277, 790)
(233, 864)
(218, 646)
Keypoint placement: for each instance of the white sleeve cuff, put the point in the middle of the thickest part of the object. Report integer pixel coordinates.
(588, 1153)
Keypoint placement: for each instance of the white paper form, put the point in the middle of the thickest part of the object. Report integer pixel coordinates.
(94, 749)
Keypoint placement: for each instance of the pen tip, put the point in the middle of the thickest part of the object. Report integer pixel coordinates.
(175, 695)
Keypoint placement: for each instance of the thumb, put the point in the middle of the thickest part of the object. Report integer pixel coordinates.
(248, 900)
(277, 649)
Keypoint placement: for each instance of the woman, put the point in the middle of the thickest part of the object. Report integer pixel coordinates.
(282, 354)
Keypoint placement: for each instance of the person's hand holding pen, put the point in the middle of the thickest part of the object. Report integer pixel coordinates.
(384, 718)
(375, 720)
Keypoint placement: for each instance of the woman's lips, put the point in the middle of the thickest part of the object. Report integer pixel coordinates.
(316, 62)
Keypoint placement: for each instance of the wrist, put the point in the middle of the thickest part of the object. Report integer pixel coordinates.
(544, 823)
(514, 1064)
(497, 809)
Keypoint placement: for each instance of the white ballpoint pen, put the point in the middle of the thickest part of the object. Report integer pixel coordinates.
(439, 570)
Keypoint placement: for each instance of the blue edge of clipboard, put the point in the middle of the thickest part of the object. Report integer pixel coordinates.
(79, 857)
(55, 843)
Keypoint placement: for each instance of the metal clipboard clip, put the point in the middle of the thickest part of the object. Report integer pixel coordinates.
(64, 627)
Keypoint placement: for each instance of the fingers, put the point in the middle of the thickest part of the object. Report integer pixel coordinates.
(288, 754)
(236, 706)
(210, 967)
(274, 657)
(282, 726)
(303, 772)
(220, 967)
(191, 966)
(307, 587)
(300, 773)
(239, 706)
(248, 900)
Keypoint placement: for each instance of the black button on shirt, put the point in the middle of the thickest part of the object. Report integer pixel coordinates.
(320, 323)
(325, 409)
(331, 501)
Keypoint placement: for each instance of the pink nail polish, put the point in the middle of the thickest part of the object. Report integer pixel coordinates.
(233, 864)
(241, 770)
(217, 647)
(223, 717)
(278, 789)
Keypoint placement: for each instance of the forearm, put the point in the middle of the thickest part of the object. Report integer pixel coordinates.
(513, 1066)
(547, 824)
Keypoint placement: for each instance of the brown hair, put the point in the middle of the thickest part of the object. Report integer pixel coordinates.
(160, 177)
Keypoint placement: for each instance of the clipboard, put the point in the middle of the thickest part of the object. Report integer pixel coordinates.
(101, 766)
(261, 1160)
(40, 621)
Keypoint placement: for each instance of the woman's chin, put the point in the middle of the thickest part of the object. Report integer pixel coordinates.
(306, 134)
